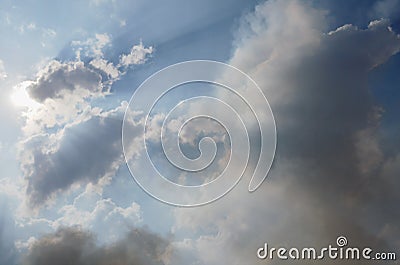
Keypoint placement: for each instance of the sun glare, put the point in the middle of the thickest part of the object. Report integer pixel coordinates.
(21, 98)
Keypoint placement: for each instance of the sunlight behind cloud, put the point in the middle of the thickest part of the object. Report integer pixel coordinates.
(20, 97)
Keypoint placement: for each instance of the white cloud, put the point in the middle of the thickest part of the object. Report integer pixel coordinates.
(106, 67)
(103, 215)
(94, 46)
(137, 55)
(25, 244)
(64, 91)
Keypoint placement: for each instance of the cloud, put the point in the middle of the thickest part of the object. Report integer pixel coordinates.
(94, 213)
(3, 74)
(386, 8)
(83, 152)
(69, 139)
(107, 67)
(66, 90)
(93, 46)
(137, 55)
(58, 79)
(76, 246)
(61, 94)
(327, 177)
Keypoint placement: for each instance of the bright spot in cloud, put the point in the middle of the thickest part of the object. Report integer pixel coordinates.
(21, 98)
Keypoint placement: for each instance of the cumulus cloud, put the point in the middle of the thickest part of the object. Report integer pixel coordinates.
(66, 89)
(327, 178)
(76, 246)
(68, 140)
(58, 79)
(110, 220)
(137, 55)
(84, 152)
(92, 212)
(107, 67)
(61, 94)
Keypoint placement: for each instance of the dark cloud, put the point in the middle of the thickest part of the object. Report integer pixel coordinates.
(87, 80)
(78, 247)
(81, 153)
(58, 78)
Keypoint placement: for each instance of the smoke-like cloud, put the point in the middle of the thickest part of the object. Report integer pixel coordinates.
(331, 174)
(79, 247)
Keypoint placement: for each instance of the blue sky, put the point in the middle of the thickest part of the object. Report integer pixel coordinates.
(329, 70)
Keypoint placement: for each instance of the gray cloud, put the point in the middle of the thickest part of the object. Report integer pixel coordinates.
(84, 152)
(58, 78)
(68, 140)
(321, 185)
(78, 247)
(67, 89)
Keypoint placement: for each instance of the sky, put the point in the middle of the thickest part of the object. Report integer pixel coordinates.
(329, 70)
